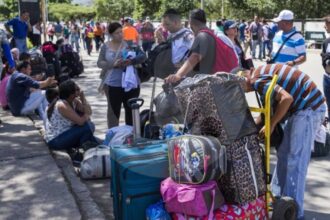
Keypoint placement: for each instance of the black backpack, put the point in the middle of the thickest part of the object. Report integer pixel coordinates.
(159, 62)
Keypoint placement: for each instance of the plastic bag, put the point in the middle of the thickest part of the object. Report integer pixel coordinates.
(157, 212)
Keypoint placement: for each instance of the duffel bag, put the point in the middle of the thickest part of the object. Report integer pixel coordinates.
(216, 105)
(96, 163)
(196, 159)
(195, 200)
(245, 177)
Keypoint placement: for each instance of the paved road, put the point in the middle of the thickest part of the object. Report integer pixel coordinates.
(317, 198)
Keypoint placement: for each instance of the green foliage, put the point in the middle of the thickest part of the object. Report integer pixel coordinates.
(9, 9)
(144, 8)
(183, 6)
(113, 9)
(65, 12)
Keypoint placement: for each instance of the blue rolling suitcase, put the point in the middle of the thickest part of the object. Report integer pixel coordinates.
(137, 170)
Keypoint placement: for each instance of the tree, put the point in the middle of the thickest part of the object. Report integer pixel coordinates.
(113, 9)
(182, 6)
(66, 12)
(144, 8)
(9, 9)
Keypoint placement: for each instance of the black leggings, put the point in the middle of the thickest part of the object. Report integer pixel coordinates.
(117, 97)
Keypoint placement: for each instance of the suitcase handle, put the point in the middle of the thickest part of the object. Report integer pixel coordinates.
(135, 103)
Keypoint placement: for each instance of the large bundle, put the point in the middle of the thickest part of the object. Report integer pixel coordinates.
(216, 105)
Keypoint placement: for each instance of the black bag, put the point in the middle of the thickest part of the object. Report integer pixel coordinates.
(38, 63)
(277, 136)
(255, 35)
(159, 62)
(143, 73)
(73, 63)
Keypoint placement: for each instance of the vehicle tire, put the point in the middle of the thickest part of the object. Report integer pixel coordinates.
(285, 208)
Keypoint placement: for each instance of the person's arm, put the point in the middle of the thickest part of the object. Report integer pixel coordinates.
(8, 55)
(82, 105)
(102, 62)
(300, 49)
(187, 67)
(284, 100)
(7, 26)
(68, 112)
(46, 83)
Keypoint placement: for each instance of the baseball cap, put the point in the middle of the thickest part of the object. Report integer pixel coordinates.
(285, 15)
(229, 24)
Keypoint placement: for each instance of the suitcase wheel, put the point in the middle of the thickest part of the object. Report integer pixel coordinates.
(285, 208)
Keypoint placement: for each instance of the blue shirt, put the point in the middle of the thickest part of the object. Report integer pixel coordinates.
(20, 28)
(241, 29)
(18, 91)
(293, 48)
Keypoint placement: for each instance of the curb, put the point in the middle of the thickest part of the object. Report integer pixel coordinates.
(87, 207)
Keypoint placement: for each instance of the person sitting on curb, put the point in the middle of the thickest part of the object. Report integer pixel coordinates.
(67, 122)
(23, 93)
(296, 96)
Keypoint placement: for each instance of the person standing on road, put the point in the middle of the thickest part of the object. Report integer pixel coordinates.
(255, 31)
(58, 28)
(204, 56)
(130, 34)
(120, 81)
(147, 36)
(98, 36)
(21, 26)
(89, 35)
(305, 114)
(181, 45)
(326, 63)
(293, 52)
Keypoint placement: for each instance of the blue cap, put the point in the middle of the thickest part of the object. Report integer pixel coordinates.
(229, 24)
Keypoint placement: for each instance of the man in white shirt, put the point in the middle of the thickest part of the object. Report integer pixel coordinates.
(182, 44)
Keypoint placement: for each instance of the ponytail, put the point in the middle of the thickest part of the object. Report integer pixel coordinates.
(51, 108)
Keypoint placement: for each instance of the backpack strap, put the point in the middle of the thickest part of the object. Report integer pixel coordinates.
(278, 52)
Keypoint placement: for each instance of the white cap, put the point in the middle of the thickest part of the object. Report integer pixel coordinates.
(285, 15)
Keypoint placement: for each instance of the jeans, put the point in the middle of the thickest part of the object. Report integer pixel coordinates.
(294, 154)
(255, 43)
(21, 45)
(326, 90)
(73, 138)
(75, 44)
(89, 45)
(37, 100)
(266, 44)
(98, 42)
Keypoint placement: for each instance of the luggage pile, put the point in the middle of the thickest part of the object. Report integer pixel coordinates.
(62, 64)
(209, 167)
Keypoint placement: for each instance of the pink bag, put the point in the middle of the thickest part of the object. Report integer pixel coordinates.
(195, 200)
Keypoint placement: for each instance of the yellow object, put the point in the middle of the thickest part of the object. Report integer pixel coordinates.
(90, 35)
(266, 111)
(29, 45)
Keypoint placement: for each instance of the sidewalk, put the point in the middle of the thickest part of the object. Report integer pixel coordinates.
(32, 186)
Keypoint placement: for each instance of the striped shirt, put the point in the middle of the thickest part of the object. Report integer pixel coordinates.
(299, 85)
(293, 48)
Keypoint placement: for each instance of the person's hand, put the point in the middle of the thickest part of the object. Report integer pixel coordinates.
(51, 81)
(263, 131)
(173, 78)
(290, 63)
(127, 62)
(11, 70)
(118, 63)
